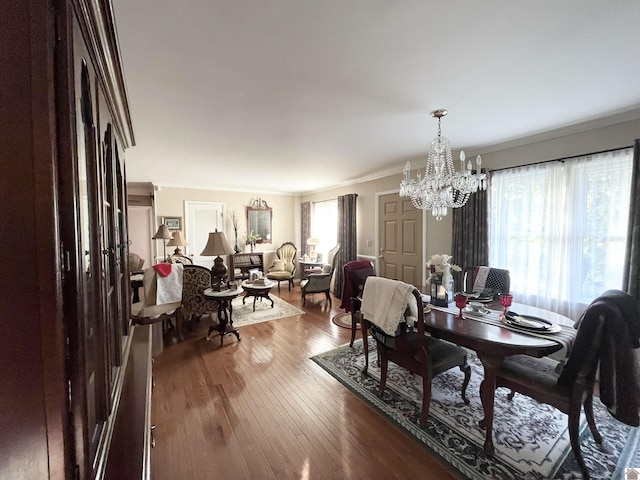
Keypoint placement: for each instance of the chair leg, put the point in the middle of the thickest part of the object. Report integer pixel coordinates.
(354, 324)
(304, 299)
(426, 399)
(574, 436)
(278, 286)
(365, 343)
(466, 369)
(290, 284)
(384, 364)
(588, 411)
(329, 298)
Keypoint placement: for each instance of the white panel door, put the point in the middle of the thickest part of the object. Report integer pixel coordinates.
(202, 218)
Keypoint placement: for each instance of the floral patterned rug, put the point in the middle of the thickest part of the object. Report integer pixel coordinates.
(531, 439)
(243, 314)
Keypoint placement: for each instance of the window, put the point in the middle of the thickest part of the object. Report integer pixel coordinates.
(324, 225)
(202, 218)
(561, 228)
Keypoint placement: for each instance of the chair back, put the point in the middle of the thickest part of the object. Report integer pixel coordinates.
(135, 262)
(177, 258)
(406, 340)
(287, 252)
(332, 257)
(355, 274)
(486, 279)
(195, 280)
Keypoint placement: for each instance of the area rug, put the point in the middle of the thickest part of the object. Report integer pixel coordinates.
(343, 320)
(244, 314)
(531, 439)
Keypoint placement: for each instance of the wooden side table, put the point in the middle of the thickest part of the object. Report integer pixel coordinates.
(256, 291)
(225, 312)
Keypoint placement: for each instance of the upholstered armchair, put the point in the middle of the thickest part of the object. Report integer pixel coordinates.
(320, 282)
(284, 268)
(196, 279)
(135, 263)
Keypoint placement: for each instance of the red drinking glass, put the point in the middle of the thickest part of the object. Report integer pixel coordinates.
(461, 302)
(505, 300)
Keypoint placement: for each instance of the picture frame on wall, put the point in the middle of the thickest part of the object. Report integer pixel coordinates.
(173, 223)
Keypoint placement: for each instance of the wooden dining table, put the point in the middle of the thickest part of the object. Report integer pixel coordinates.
(492, 343)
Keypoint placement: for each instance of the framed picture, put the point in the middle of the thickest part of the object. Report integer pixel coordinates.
(173, 223)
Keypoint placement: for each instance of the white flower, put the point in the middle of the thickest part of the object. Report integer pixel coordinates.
(441, 263)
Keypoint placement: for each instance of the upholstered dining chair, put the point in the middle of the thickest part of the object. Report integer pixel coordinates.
(320, 282)
(486, 279)
(196, 279)
(607, 333)
(355, 273)
(284, 268)
(408, 347)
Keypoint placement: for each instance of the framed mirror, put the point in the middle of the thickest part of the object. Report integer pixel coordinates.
(259, 220)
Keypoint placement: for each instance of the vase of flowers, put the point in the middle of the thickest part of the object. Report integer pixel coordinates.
(439, 269)
(251, 239)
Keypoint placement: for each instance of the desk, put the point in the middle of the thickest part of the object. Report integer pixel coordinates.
(492, 344)
(225, 312)
(256, 291)
(306, 265)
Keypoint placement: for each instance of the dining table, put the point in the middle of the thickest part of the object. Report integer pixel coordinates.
(493, 341)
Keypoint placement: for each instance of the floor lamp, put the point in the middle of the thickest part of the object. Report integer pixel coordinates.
(163, 234)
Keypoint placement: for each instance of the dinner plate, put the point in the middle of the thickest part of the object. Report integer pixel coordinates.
(471, 311)
(478, 297)
(529, 322)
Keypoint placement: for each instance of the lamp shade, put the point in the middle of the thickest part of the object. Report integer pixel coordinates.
(313, 241)
(217, 245)
(177, 240)
(162, 233)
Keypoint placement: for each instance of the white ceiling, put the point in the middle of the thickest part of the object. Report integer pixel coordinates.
(298, 95)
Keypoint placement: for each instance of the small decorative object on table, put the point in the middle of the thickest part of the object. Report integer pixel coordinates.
(440, 279)
(234, 221)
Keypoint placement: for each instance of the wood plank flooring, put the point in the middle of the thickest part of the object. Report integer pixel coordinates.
(261, 409)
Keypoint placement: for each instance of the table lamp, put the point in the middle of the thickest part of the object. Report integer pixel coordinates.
(177, 241)
(163, 234)
(313, 242)
(217, 244)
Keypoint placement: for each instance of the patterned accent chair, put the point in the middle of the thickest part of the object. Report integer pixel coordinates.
(196, 279)
(498, 280)
(320, 282)
(284, 269)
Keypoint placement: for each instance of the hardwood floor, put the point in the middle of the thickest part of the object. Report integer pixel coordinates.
(261, 409)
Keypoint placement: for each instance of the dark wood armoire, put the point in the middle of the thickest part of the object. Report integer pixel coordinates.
(74, 373)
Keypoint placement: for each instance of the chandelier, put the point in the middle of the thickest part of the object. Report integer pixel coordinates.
(442, 187)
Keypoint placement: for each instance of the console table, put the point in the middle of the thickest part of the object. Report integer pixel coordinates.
(245, 262)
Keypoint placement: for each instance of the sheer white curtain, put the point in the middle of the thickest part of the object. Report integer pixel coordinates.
(324, 225)
(560, 228)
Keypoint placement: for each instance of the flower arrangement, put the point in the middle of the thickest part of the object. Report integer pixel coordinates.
(252, 238)
(442, 264)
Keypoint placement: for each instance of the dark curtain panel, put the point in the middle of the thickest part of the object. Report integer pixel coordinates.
(346, 237)
(470, 239)
(305, 226)
(631, 274)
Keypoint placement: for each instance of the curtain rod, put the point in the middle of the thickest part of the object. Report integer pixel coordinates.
(561, 159)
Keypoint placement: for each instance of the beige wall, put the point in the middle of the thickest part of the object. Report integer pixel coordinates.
(169, 201)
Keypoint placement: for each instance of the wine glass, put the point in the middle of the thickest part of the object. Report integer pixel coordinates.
(505, 300)
(461, 302)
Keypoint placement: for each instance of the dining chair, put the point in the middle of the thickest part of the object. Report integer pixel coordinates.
(284, 269)
(355, 274)
(486, 279)
(604, 342)
(410, 348)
